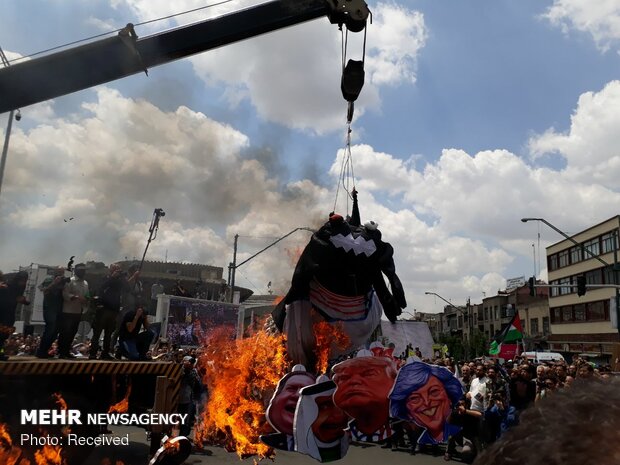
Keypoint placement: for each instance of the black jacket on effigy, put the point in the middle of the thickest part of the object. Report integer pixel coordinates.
(340, 257)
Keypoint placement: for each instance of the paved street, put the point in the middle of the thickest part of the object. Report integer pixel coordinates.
(136, 454)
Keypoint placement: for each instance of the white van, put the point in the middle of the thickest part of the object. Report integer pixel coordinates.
(539, 357)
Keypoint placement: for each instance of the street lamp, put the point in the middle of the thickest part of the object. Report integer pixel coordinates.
(615, 267)
(467, 315)
(542, 220)
(232, 267)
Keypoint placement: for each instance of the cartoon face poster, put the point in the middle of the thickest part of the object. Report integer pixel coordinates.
(281, 410)
(363, 384)
(425, 395)
(319, 427)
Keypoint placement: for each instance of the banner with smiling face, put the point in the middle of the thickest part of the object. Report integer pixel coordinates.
(319, 427)
(425, 395)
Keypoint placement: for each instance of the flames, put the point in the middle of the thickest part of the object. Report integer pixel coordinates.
(123, 405)
(327, 336)
(62, 404)
(49, 455)
(241, 375)
(11, 454)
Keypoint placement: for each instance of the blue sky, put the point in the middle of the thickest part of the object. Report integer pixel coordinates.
(473, 115)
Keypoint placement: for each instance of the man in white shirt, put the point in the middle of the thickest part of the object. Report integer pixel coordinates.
(478, 390)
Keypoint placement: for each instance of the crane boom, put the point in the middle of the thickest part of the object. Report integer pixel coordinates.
(116, 57)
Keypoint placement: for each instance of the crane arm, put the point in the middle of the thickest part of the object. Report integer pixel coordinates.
(116, 57)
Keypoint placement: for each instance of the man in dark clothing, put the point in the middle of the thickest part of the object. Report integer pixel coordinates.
(110, 304)
(135, 344)
(131, 297)
(51, 287)
(11, 294)
(190, 393)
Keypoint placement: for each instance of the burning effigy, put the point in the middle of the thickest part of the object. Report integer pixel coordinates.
(339, 280)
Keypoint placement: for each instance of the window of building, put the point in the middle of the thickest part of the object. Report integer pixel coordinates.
(596, 311)
(563, 258)
(546, 327)
(492, 330)
(556, 315)
(533, 326)
(567, 313)
(591, 246)
(554, 291)
(486, 313)
(608, 275)
(580, 312)
(552, 262)
(607, 242)
(576, 255)
(523, 324)
(594, 277)
(567, 289)
(495, 311)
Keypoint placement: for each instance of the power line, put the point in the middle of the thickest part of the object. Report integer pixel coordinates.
(103, 34)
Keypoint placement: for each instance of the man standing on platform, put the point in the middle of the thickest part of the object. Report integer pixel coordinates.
(51, 287)
(75, 295)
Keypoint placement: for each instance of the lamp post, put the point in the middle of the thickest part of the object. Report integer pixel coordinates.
(232, 266)
(615, 266)
(467, 315)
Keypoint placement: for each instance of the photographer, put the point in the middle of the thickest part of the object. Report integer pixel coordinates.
(135, 344)
(110, 305)
(131, 297)
(51, 287)
(467, 438)
(190, 393)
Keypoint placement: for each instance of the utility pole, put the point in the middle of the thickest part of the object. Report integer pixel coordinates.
(232, 266)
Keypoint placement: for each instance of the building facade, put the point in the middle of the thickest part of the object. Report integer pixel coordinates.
(583, 324)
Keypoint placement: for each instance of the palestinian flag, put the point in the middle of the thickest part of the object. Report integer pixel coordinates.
(512, 333)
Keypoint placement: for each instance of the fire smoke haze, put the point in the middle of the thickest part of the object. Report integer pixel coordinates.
(453, 143)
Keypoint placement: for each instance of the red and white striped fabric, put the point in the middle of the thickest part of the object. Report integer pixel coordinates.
(335, 307)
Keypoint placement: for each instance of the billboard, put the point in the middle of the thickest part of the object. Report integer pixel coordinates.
(186, 321)
(405, 332)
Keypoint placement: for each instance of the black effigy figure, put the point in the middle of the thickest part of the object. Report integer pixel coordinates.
(339, 279)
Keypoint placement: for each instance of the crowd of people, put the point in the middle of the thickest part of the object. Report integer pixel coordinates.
(495, 397)
(120, 316)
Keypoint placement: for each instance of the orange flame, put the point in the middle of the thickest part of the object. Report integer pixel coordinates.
(123, 405)
(241, 374)
(60, 401)
(277, 300)
(49, 455)
(172, 446)
(5, 438)
(328, 335)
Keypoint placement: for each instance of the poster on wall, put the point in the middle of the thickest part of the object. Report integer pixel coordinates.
(190, 319)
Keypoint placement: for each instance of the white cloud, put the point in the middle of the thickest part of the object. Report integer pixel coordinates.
(292, 76)
(590, 145)
(454, 223)
(600, 19)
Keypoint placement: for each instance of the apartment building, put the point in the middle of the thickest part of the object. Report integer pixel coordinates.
(583, 325)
